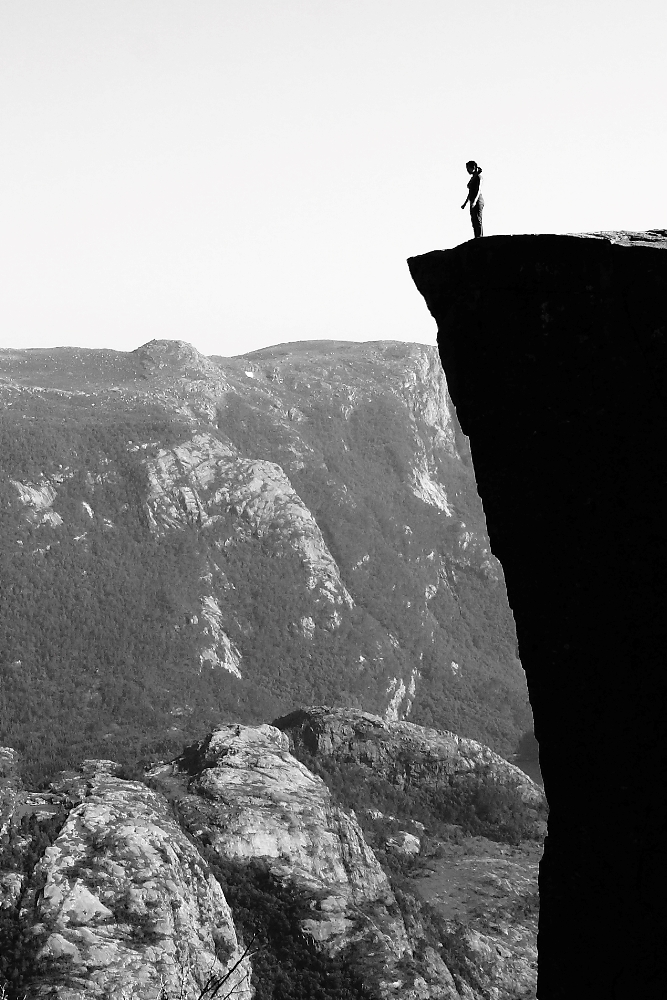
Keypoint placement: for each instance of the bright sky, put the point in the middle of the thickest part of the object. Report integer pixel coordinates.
(241, 173)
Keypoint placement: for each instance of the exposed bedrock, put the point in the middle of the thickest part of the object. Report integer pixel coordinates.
(554, 352)
(407, 755)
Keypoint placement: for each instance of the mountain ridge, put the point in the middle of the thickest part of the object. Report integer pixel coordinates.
(185, 536)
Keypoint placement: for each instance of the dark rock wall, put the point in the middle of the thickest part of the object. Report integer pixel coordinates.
(554, 351)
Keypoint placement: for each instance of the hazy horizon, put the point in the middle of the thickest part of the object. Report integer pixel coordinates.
(242, 354)
(243, 173)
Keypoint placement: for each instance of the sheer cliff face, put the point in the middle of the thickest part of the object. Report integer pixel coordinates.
(187, 538)
(557, 344)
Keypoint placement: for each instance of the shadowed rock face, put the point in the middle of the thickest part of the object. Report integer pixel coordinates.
(406, 754)
(554, 351)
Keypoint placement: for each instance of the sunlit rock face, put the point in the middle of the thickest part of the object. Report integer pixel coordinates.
(9, 785)
(122, 902)
(246, 797)
(557, 345)
(204, 480)
(38, 501)
(111, 884)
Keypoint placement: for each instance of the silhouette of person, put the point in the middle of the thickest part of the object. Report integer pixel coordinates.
(475, 197)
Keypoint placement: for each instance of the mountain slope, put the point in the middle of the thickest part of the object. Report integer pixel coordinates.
(187, 538)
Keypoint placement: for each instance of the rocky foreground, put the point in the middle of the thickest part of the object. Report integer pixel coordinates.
(220, 866)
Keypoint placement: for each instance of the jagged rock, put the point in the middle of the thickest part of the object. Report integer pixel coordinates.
(203, 480)
(508, 959)
(404, 843)
(406, 754)
(251, 799)
(242, 793)
(124, 899)
(10, 783)
(39, 500)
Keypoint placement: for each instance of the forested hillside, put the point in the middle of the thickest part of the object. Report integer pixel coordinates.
(185, 540)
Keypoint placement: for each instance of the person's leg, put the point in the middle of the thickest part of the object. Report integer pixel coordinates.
(476, 219)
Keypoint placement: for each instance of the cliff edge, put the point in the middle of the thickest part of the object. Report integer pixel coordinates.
(554, 352)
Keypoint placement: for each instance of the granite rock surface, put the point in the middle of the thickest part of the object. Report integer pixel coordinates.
(122, 903)
(243, 794)
(407, 754)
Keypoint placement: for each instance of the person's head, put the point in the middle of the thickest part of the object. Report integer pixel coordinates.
(472, 167)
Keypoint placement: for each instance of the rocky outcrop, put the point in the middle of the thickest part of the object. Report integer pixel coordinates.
(242, 793)
(176, 358)
(246, 797)
(122, 903)
(405, 754)
(38, 498)
(221, 652)
(123, 898)
(205, 481)
(10, 783)
(181, 378)
(554, 349)
(487, 894)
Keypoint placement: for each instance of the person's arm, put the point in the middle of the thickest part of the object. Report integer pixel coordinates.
(478, 192)
(466, 201)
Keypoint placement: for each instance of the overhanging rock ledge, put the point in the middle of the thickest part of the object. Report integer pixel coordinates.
(555, 353)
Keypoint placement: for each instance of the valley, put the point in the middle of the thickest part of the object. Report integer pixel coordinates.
(259, 683)
(188, 540)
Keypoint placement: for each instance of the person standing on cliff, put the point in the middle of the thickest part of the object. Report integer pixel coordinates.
(475, 197)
